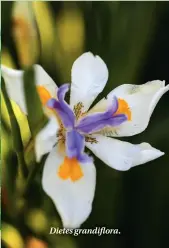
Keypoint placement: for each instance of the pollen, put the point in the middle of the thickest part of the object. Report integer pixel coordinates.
(78, 109)
(123, 108)
(43, 94)
(70, 168)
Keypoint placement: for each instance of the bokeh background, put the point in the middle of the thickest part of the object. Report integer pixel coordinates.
(133, 40)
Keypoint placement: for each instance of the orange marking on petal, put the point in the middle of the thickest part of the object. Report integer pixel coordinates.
(64, 169)
(76, 171)
(43, 94)
(123, 108)
(70, 168)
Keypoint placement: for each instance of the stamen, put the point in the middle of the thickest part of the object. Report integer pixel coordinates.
(61, 133)
(123, 108)
(91, 140)
(78, 109)
(70, 168)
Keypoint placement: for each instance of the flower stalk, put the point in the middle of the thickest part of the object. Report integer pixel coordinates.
(36, 167)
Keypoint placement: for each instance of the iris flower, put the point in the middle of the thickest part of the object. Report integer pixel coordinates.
(69, 174)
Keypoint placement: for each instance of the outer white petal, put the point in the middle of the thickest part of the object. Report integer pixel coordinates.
(42, 78)
(46, 138)
(157, 97)
(14, 83)
(122, 155)
(89, 77)
(141, 99)
(73, 200)
(148, 153)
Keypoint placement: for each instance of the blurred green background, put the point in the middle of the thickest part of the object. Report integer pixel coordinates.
(133, 39)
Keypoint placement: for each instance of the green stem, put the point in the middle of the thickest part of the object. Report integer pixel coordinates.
(15, 132)
(21, 161)
(5, 126)
(32, 174)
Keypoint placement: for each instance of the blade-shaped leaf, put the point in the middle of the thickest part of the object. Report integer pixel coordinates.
(15, 131)
(36, 116)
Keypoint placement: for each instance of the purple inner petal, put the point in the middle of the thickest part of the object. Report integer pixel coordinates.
(93, 126)
(62, 92)
(98, 121)
(75, 144)
(62, 108)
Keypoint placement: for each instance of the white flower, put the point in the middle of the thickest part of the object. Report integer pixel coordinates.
(69, 175)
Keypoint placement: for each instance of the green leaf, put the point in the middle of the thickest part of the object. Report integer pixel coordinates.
(36, 117)
(11, 168)
(15, 132)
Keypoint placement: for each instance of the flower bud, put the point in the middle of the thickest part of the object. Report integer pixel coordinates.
(25, 33)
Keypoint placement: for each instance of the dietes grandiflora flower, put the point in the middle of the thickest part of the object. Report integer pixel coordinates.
(69, 174)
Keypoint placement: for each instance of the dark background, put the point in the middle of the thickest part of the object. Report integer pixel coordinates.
(133, 40)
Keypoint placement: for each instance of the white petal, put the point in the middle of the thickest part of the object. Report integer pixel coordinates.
(42, 78)
(14, 83)
(122, 155)
(89, 77)
(73, 200)
(141, 100)
(157, 97)
(46, 138)
(148, 153)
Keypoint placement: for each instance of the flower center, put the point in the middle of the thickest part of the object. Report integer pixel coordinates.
(76, 126)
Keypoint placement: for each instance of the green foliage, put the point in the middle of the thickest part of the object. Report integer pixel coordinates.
(11, 172)
(15, 131)
(36, 117)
